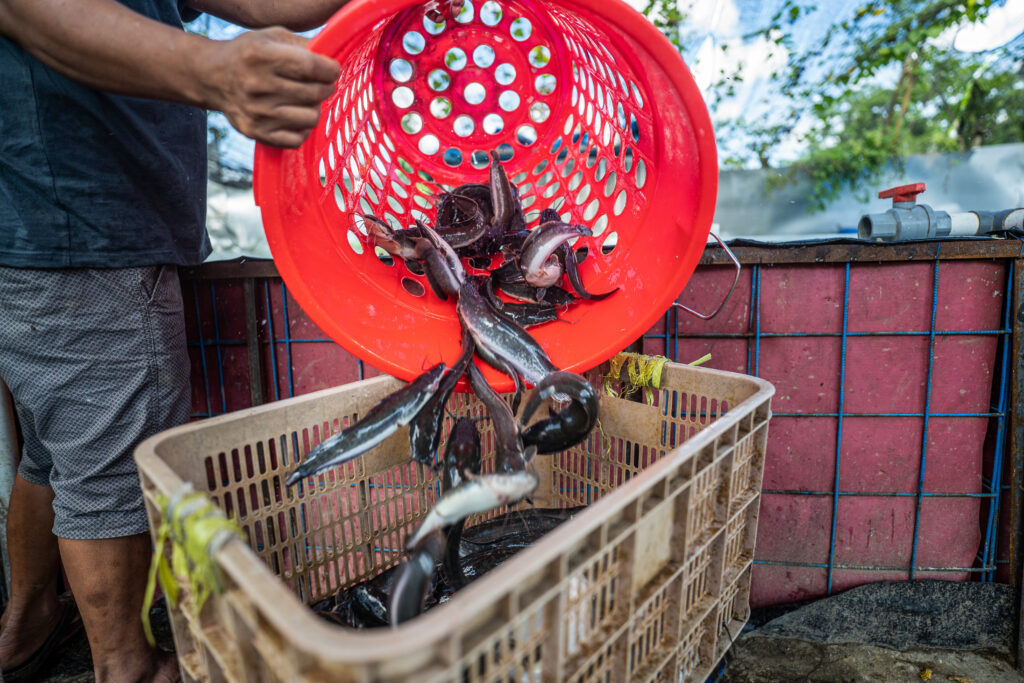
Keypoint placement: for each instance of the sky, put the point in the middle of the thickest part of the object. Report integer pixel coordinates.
(715, 23)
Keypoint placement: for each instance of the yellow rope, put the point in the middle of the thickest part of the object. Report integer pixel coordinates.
(701, 361)
(606, 441)
(612, 376)
(644, 372)
(196, 529)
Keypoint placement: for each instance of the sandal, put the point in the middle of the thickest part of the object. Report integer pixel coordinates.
(68, 626)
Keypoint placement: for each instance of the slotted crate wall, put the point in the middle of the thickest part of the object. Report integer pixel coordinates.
(616, 593)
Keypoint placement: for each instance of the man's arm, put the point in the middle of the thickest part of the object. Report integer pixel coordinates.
(266, 82)
(298, 15)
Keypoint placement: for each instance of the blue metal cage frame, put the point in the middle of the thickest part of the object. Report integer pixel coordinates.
(277, 341)
(993, 488)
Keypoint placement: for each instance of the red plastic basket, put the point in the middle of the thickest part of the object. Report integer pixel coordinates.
(592, 111)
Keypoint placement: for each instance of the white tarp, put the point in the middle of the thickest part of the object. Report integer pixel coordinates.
(988, 178)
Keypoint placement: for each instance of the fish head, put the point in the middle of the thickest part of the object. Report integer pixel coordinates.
(450, 257)
(549, 216)
(549, 274)
(294, 477)
(376, 227)
(465, 429)
(464, 443)
(513, 487)
(432, 377)
(381, 234)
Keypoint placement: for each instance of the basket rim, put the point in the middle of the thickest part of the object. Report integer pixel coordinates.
(333, 645)
(364, 16)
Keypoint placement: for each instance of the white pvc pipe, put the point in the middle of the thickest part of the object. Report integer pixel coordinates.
(1015, 220)
(964, 224)
(8, 460)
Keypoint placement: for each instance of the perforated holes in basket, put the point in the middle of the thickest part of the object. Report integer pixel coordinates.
(413, 287)
(487, 82)
(505, 152)
(498, 77)
(453, 157)
(480, 159)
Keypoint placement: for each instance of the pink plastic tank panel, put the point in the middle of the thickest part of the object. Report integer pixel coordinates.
(879, 459)
(880, 456)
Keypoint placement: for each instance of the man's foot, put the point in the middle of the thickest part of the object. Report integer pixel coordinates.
(34, 609)
(21, 636)
(26, 660)
(155, 666)
(166, 669)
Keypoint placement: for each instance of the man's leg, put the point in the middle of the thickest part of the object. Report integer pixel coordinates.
(33, 611)
(98, 360)
(110, 602)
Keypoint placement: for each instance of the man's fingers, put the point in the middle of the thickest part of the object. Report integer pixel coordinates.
(286, 92)
(305, 66)
(293, 117)
(288, 139)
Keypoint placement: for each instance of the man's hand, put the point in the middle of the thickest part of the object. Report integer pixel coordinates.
(269, 85)
(436, 9)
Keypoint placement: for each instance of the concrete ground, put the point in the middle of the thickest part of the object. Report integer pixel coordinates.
(73, 664)
(922, 631)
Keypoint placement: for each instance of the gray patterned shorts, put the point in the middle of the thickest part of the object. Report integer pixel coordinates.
(96, 362)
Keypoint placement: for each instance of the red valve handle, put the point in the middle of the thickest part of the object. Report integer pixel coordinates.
(903, 193)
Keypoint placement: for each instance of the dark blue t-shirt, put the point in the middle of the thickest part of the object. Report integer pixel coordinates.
(90, 179)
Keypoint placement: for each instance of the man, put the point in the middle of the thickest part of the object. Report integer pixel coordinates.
(102, 195)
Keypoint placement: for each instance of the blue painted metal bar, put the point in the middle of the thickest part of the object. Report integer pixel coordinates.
(295, 340)
(781, 414)
(757, 321)
(839, 430)
(218, 346)
(927, 410)
(202, 351)
(876, 494)
(867, 567)
(287, 340)
(272, 340)
(665, 336)
(992, 528)
(751, 304)
(674, 312)
(800, 335)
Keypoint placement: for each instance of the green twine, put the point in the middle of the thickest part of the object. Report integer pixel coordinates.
(644, 372)
(196, 529)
